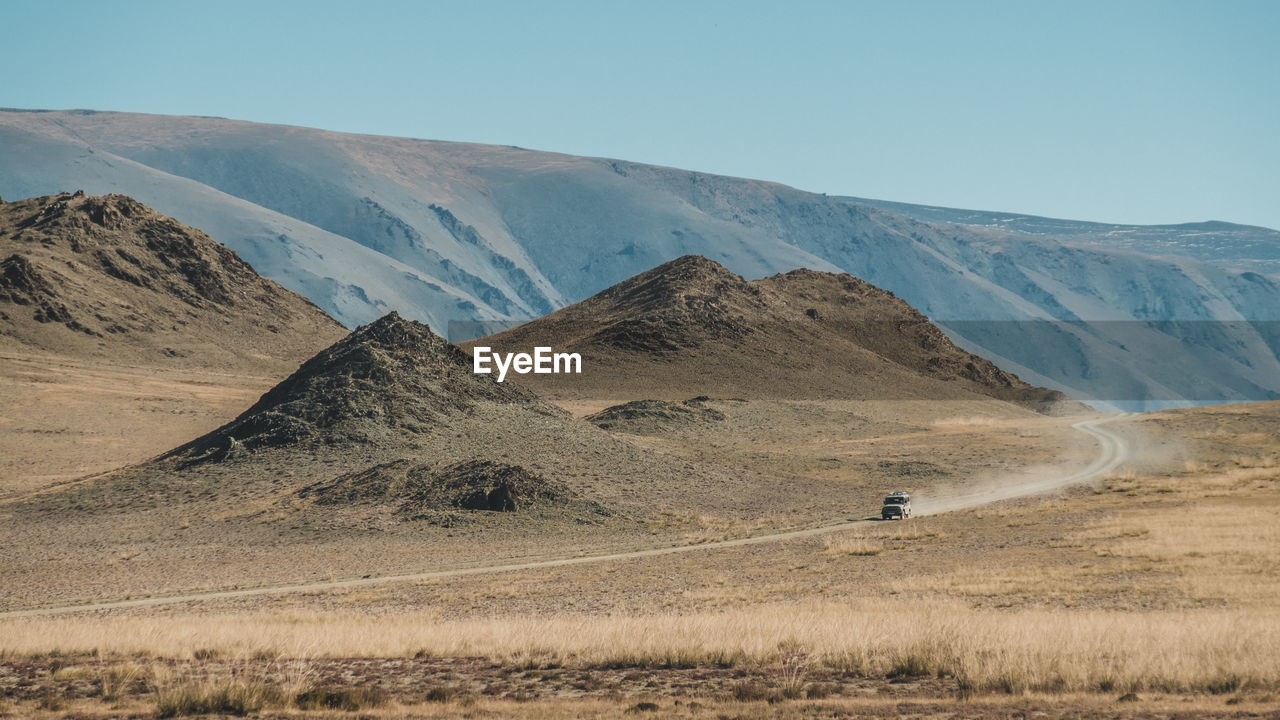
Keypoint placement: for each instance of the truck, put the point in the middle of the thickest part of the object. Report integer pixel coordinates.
(896, 505)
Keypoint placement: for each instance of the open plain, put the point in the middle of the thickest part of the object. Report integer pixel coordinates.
(1146, 591)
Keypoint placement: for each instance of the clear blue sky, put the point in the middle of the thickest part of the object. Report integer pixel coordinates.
(1125, 110)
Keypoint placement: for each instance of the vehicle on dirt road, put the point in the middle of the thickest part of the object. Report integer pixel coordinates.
(896, 505)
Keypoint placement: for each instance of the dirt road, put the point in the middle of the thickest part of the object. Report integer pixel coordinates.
(1113, 451)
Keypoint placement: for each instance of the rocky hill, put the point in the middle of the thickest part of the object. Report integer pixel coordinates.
(381, 386)
(690, 327)
(109, 277)
(391, 422)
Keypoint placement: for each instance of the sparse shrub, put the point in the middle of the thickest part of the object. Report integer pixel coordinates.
(206, 654)
(851, 545)
(116, 680)
(228, 698)
(795, 666)
(1224, 684)
(913, 663)
(50, 700)
(723, 659)
(329, 698)
(1012, 681)
(589, 682)
(748, 691)
(325, 699)
(818, 691)
(534, 659)
(613, 696)
(792, 692)
(441, 694)
(847, 662)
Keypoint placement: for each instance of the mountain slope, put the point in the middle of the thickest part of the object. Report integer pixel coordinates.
(109, 277)
(692, 327)
(451, 231)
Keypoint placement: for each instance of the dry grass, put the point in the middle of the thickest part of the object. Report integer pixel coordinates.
(970, 421)
(1196, 533)
(1212, 528)
(748, 707)
(1216, 551)
(62, 418)
(1007, 651)
(223, 697)
(851, 544)
(879, 537)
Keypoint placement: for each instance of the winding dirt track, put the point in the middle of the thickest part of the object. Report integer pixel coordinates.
(1113, 450)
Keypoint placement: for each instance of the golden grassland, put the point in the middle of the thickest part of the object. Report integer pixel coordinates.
(1201, 529)
(1027, 650)
(1160, 580)
(242, 698)
(876, 539)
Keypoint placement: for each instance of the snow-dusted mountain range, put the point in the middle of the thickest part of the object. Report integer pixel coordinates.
(451, 231)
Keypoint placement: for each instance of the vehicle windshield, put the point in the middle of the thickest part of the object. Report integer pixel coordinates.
(895, 500)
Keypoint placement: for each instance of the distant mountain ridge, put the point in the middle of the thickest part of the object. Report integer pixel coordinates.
(1247, 248)
(444, 231)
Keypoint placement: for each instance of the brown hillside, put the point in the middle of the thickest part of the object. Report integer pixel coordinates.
(383, 385)
(107, 277)
(390, 422)
(691, 327)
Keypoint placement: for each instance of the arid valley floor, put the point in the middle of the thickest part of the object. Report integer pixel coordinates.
(1146, 592)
